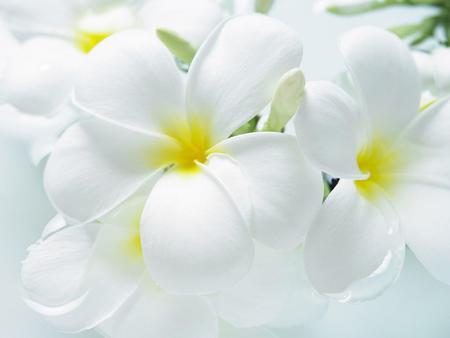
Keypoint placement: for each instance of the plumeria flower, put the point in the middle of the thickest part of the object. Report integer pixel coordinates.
(434, 69)
(216, 194)
(93, 276)
(83, 23)
(37, 75)
(36, 79)
(393, 165)
(184, 25)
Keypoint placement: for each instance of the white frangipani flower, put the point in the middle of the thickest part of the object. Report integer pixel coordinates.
(93, 276)
(36, 79)
(393, 162)
(82, 23)
(37, 75)
(216, 193)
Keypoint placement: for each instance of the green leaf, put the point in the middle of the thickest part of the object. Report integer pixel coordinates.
(379, 4)
(286, 100)
(404, 31)
(263, 6)
(358, 9)
(425, 2)
(179, 47)
(427, 30)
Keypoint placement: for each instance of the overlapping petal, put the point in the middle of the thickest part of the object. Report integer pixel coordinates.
(330, 129)
(194, 237)
(353, 240)
(154, 313)
(95, 166)
(132, 80)
(385, 76)
(40, 76)
(286, 191)
(97, 270)
(230, 80)
(52, 272)
(425, 146)
(305, 304)
(423, 209)
(430, 128)
(228, 172)
(262, 294)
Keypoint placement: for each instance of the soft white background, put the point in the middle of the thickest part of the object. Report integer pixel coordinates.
(416, 307)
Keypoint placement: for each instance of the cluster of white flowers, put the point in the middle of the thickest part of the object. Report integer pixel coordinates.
(172, 224)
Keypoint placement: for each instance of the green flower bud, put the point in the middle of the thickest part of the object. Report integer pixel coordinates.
(286, 100)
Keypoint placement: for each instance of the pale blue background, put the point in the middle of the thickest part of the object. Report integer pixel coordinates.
(416, 307)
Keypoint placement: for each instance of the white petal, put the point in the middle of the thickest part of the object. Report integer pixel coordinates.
(286, 190)
(231, 80)
(426, 147)
(131, 79)
(430, 128)
(112, 277)
(441, 60)
(34, 127)
(262, 294)
(227, 331)
(330, 129)
(44, 17)
(426, 67)
(353, 250)
(54, 268)
(305, 304)
(155, 313)
(95, 166)
(344, 80)
(56, 223)
(242, 7)
(8, 46)
(194, 237)
(426, 225)
(108, 275)
(191, 20)
(234, 180)
(385, 75)
(40, 76)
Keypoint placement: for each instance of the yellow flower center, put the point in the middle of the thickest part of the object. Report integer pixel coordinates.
(380, 160)
(195, 144)
(94, 27)
(86, 41)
